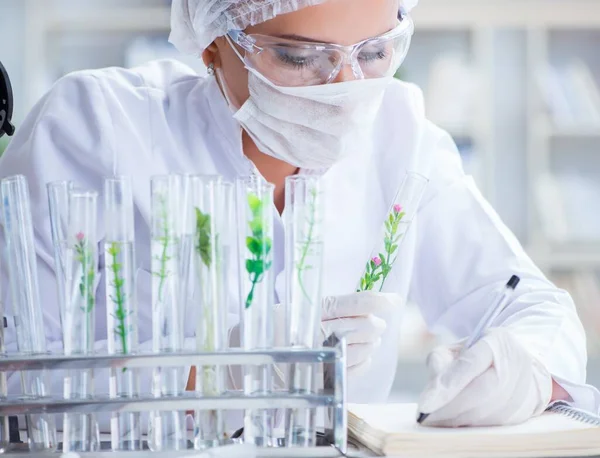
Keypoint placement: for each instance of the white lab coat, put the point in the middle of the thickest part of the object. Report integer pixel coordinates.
(163, 118)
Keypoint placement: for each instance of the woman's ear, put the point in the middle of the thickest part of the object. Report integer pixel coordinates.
(211, 55)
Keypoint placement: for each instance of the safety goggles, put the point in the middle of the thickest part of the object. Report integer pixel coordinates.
(288, 62)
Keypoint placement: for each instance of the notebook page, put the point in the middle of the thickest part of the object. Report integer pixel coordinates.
(401, 419)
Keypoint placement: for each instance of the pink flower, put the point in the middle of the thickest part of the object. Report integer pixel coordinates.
(397, 208)
(377, 261)
(80, 236)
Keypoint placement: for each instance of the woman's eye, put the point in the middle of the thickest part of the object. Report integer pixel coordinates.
(295, 60)
(373, 55)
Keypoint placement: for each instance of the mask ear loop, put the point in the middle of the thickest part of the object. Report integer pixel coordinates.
(225, 90)
(218, 72)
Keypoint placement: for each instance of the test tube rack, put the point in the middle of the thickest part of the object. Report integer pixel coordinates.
(332, 398)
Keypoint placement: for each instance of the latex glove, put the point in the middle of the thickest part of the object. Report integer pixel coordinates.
(495, 382)
(360, 318)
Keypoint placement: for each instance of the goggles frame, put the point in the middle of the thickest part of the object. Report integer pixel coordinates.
(255, 44)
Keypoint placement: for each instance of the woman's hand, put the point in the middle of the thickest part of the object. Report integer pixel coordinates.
(358, 317)
(495, 382)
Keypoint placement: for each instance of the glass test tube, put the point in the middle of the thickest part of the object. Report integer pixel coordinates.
(186, 247)
(212, 209)
(255, 251)
(121, 306)
(397, 222)
(58, 204)
(25, 299)
(304, 260)
(4, 428)
(167, 428)
(80, 430)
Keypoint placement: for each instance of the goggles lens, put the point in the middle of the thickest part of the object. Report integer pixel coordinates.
(295, 63)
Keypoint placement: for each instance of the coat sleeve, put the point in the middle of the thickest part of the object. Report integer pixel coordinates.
(68, 135)
(63, 138)
(465, 253)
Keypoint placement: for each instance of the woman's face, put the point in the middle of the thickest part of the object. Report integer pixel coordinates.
(343, 22)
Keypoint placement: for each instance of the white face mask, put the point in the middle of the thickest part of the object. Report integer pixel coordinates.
(310, 127)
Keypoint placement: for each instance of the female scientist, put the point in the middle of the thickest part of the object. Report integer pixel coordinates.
(306, 86)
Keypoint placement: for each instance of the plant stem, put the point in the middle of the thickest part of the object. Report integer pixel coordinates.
(392, 238)
(309, 241)
(86, 284)
(119, 299)
(250, 297)
(165, 240)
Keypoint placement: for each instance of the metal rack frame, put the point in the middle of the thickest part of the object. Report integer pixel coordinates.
(332, 398)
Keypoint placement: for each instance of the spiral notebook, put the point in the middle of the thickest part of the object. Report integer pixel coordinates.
(391, 430)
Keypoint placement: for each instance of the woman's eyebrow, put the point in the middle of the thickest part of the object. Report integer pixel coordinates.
(298, 38)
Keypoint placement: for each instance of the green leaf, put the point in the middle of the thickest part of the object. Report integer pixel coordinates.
(256, 228)
(254, 246)
(202, 219)
(205, 255)
(203, 233)
(255, 267)
(268, 244)
(255, 204)
(373, 266)
(391, 218)
(393, 249)
(113, 250)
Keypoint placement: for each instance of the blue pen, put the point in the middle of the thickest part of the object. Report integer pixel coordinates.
(488, 319)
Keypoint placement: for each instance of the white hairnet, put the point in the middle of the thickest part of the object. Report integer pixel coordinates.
(196, 23)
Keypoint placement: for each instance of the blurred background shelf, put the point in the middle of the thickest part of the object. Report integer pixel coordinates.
(567, 259)
(551, 14)
(431, 14)
(122, 19)
(515, 82)
(575, 132)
